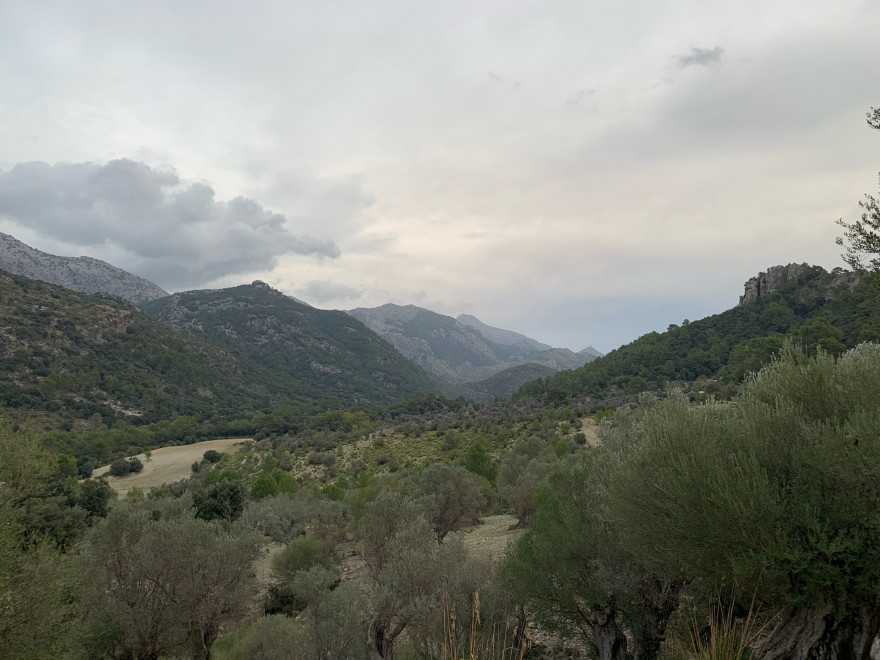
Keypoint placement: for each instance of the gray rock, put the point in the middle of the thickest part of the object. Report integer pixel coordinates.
(83, 274)
(765, 282)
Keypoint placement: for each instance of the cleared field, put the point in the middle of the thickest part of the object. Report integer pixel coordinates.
(167, 464)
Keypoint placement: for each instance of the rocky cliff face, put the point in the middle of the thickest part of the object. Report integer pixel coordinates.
(765, 282)
(83, 274)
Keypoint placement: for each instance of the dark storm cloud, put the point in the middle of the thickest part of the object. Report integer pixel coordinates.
(322, 291)
(699, 57)
(178, 235)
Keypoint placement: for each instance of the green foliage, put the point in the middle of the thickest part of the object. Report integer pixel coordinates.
(221, 500)
(71, 353)
(318, 356)
(37, 590)
(861, 239)
(212, 456)
(302, 570)
(95, 496)
(263, 486)
(272, 637)
(120, 467)
(452, 495)
(180, 581)
(818, 310)
(523, 469)
(478, 461)
(301, 554)
(778, 490)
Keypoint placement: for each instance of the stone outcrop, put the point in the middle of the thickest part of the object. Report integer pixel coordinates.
(83, 274)
(765, 282)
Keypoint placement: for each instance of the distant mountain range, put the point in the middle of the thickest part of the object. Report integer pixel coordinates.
(462, 350)
(83, 274)
(314, 354)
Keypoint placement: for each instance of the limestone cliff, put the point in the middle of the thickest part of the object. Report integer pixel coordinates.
(765, 282)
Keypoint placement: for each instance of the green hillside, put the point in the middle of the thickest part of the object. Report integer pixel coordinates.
(66, 356)
(504, 383)
(834, 311)
(319, 356)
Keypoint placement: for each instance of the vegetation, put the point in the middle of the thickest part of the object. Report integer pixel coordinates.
(861, 239)
(775, 492)
(317, 356)
(832, 311)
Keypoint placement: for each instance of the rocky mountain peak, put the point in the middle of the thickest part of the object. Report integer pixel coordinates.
(766, 281)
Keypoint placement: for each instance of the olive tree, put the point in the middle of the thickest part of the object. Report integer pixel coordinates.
(409, 572)
(161, 582)
(523, 469)
(777, 491)
(578, 581)
(452, 496)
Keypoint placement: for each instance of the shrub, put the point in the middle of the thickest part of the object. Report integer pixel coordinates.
(120, 467)
(135, 465)
(212, 456)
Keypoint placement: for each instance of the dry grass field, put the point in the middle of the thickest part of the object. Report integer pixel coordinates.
(167, 465)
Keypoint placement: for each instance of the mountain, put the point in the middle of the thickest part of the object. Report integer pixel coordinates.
(802, 303)
(593, 353)
(66, 355)
(499, 336)
(320, 356)
(456, 351)
(506, 382)
(83, 274)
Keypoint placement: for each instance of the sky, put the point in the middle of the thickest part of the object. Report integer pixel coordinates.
(581, 172)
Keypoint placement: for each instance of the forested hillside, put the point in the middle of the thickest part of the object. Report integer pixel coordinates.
(319, 356)
(66, 356)
(833, 311)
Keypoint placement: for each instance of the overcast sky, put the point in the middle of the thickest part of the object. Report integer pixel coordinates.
(582, 172)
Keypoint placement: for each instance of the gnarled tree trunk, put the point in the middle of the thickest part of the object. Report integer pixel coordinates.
(609, 638)
(659, 599)
(816, 634)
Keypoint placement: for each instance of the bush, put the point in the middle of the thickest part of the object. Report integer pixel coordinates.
(268, 638)
(212, 456)
(120, 467)
(135, 465)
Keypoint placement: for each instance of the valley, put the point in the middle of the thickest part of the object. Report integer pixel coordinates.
(347, 482)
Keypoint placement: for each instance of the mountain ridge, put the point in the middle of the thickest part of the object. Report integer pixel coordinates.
(455, 351)
(317, 354)
(83, 274)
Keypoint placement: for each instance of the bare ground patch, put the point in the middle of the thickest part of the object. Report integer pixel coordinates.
(167, 465)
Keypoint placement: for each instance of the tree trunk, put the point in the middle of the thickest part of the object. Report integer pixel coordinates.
(815, 634)
(382, 640)
(609, 638)
(659, 599)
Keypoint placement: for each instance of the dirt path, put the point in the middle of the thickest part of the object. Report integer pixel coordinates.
(167, 465)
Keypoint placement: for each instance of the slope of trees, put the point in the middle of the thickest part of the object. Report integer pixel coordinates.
(775, 492)
(833, 311)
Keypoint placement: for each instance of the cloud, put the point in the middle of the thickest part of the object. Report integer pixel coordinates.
(579, 95)
(176, 234)
(699, 57)
(322, 291)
